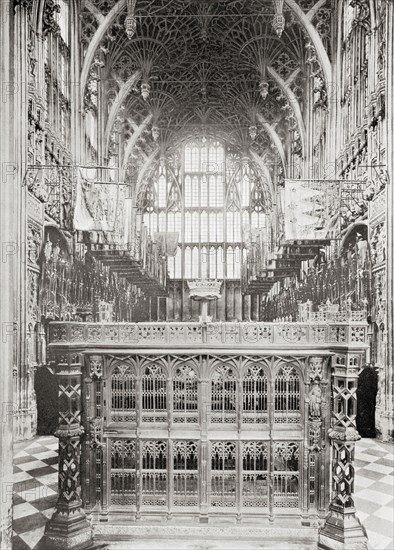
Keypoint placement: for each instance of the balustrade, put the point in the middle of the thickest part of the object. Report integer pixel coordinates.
(317, 332)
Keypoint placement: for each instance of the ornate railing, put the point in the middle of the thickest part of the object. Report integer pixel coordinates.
(321, 330)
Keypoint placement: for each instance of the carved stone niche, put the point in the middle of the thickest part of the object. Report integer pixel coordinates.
(315, 400)
(316, 376)
(34, 240)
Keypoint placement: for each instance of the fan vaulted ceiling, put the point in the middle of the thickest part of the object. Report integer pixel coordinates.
(172, 66)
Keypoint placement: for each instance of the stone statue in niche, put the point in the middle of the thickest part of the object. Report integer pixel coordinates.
(315, 399)
(362, 248)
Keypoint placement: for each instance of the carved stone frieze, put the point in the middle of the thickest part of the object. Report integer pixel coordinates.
(378, 244)
(32, 297)
(363, 15)
(25, 4)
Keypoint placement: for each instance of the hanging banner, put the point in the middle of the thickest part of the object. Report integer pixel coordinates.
(311, 209)
(96, 201)
(168, 242)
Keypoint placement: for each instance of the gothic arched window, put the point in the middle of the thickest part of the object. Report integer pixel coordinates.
(223, 473)
(208, 194)
(223, 395)
(287, 396)
(185, 473)
(286, 474)
(255, 474)
(123, 394)
(123, 472)
(154, 473)
(154, 394)
(255, 396)
(185, 395)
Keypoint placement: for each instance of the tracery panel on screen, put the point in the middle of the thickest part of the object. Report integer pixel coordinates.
(211, 196)
(202, 430)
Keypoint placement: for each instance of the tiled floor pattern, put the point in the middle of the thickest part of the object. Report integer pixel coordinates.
(374, 491)
(35, 491)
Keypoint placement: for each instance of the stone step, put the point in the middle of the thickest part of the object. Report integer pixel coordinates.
(205, 537)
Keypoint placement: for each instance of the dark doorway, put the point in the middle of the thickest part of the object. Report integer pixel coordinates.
(366, 402)
(47, 401)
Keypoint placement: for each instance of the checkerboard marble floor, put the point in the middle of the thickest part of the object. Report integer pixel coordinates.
(374, 491)
(35, 491)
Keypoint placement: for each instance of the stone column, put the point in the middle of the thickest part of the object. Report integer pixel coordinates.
(342, 529)
(387, 405)
(69, 528)
(8, 267)
(204, 399)
(29, 236)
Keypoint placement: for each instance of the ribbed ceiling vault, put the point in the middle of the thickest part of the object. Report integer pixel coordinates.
(171, 67)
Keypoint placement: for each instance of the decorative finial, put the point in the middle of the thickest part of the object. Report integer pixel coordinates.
(130, 23)
(253, 132)
(145, 90)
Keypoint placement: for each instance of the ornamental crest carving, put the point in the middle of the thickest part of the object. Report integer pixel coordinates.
(316, 368)
(96, 366)
(96, 433)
